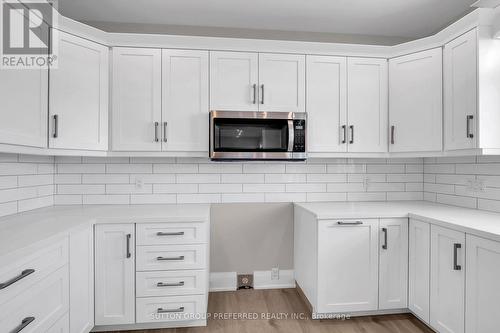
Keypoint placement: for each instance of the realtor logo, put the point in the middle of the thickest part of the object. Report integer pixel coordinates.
(27, 34)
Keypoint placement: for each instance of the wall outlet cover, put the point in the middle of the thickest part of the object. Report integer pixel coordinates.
(275, 273)
(245, 281)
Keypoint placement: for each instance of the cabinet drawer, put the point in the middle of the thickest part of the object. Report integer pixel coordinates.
(170, 283)
(173, 308)
(20, 273)
(170, 257)
(61, 326)
(39, 307)
(171, 233)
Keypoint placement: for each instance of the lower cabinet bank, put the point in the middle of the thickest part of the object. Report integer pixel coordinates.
(447, 278)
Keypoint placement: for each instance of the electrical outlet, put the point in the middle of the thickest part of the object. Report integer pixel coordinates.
(275, 273)
(245, 281)
(139, 184)
(366, 183)
(474, 185)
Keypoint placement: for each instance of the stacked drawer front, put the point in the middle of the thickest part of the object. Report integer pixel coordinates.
(34, 290)
(172, 271)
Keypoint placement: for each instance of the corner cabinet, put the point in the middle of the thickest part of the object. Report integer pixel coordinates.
(415, 102)
(269, 82)
(78, 96)
(114, 274)
(160, 100)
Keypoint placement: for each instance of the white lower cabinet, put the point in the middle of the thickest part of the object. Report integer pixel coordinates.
(114, 274)
(447, 280)
(482, 311)
(419, 269)
(393, 270)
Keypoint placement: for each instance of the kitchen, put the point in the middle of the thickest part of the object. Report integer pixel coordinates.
(175, 169)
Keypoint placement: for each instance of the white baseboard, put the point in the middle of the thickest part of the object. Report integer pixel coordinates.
(223, 281)
(262, 280)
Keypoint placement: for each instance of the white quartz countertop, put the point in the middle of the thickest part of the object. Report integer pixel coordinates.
(24, 229)
(477, 222)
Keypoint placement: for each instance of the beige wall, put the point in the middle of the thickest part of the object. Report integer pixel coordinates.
(249, 237)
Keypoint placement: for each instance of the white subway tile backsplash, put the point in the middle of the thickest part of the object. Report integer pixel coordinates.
(9, 169)
(129, 189)
(326, 178)
(220, 188)
(345, 187)
(324, 197)
(140, 199)
(305, 188)
(68, 199)
(221, 168)
(455, 200)
(305, 168)
(372, 196)
(439, 188)
(287, 178)
(263, 188)
(264, 168)
(439, 168)
(243, 197)
(127, 168)
(8, 182)
(108, 199)
(394, 196)
(198, 178)
(198, 198)
(242, 178)
(68, 178)
(385, 168)
(83, 168)
(174, 168)
(155, 178)
(35, 180)
(285, 197)
(34, 203)
(479, 169)
(81, 189)
(105, 179)
(346, 168)
(175, 188)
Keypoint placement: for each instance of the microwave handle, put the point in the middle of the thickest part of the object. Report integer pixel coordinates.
(291, 135)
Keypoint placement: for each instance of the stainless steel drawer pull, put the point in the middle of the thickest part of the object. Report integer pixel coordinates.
(349, 223)
(352, 134)
(55, 134)
(180, 309)
(392, 134)
(156, 131)
(128, 245)
(469, 133)
(262, 95)
(25, 322)
(344, 133)
(21, 276)
(456, 266)
(384, 246)
(169, 258)
(180, 233)
(178, 284)
(254, 100)
(165, 124)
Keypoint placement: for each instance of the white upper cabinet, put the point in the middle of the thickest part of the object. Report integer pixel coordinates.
(24, 107)
(185, 100)
(482, 312)
(367, 101)
(350, 248)
(234, 81)
(393, 263)
(136, 99)
(419, 269)
(460, 92)
(281, 82)
(79, 95)
(447, 288)
(326, 104)
(415, 102)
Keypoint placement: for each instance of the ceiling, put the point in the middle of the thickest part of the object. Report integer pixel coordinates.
(392, 18)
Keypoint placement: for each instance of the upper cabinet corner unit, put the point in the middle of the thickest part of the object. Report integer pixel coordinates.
(471, 91)
(346, 104)
(159, 100)
(415, 102)
(246, 81)
(78, 95)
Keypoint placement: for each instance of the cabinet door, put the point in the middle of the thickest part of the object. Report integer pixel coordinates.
(326, 104)
(482, 311)
(114, 274)
(234, 81)
(367, 101)
(136, 93)
(415, 102)
(447, 280)
(79, 95)
(282, 82)
(393, 264)
(185, 100)
(460, 92)
(23, 115)
(347, 266)
(419, 269)
(81, 280)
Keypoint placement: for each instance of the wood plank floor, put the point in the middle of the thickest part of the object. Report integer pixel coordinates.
(288, 301)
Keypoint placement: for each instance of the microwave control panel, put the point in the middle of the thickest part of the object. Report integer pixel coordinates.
(299, 130)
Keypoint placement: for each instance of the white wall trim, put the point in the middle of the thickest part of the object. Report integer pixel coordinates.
(262, 280)
(222, 281)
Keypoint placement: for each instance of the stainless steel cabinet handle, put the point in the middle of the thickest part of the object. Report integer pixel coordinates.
(351, 141)
(178, 284)
(254, 88)
(392, 134)
(349, 223)
(165, 131)
(456, 266)
(21, 276)
(344, 134)
(25, 322)
(56, 126)
(384, 246)
(160, 310)
(169, 258)
(128, 245)
(262, 95)
(470, 135)
(180, 233)
(156, 131)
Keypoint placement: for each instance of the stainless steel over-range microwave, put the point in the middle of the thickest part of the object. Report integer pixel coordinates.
(257, 135)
